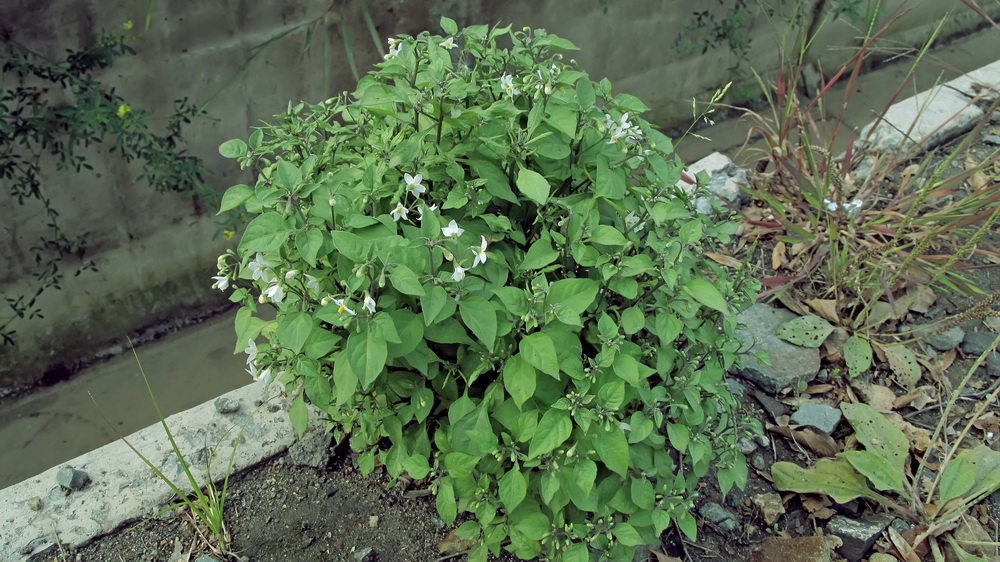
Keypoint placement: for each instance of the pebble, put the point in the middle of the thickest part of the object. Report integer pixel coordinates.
(746, 446)
(976, 343)
(715, 513)
(71, 478)
(226, 405)
(366, 554)
(373, 521)
(34, 503)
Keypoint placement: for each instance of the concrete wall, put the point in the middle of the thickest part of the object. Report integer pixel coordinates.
(245, 59)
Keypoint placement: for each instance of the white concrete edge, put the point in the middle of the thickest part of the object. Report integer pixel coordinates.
(123, 488)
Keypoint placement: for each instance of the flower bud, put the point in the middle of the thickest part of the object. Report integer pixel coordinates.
(291, 274)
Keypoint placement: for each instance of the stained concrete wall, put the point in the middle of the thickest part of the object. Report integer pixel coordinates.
(245, 59)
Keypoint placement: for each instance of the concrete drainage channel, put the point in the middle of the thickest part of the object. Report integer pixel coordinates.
(97, 492)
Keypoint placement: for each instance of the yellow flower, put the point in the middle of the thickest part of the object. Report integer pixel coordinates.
(124, 110)
(127, 25)
(228, 234)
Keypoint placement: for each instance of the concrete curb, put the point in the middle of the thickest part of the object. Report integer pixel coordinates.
(37, 511)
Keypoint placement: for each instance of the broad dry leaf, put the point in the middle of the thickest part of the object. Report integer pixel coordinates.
(978, 179)
(825, 513)
(879, 397)
(903, 549)
(814, 503)
(918, 437)
(778, 256)
(989, 424)
(816, 439)
(825, 309)
(792, 303)
(453, 544)
(921, 298)
(723, 259)
(819, 388)
(919, 397)
(660, 557)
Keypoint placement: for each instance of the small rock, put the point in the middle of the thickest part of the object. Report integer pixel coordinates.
(720, 516)
(735, 388)
(34, 544)
(975, 343)
(993, 364)
(820, 416)
(366, 554)
(34, 503)
(993, 505)
(859, 535)
(226, 405)
(746, 446)
(991, 139)
(312, 450)
(882, 557)
(945, 341)
(762, 440)
(206, 558)
(71, 478)
(790, 364)
(812, 549)
(769, 506)
(373, 521)
(758, 461)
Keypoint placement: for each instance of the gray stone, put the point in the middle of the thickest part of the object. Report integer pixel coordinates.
(745, 446)
(34, 503)
(929, 119)
(769, 506)
(71, 478)
(859, 535)
(790, 364)
(945, 341)
(762, 440)
(735, 388)
(312, 450)
(991, 139)
(206, 558)
(820, 416)
(227, 405)
(366, 554)
(993, 364)
(724, 181)
(718, 515)
(993, 505)
(975, 343)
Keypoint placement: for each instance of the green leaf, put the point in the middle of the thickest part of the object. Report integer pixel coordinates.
(984, 465)
(679, 436)
(460, 465)
(289, 174)
(533, 185)
(318, 390)
(627, 535)
(611, 395)
(585, 93)
(834, 477)
(857, 355)
(480, 316)
(345, 382)
(612, 449)
(309, 243)
(416, 466)
(705, 293)
(539, 350)
(298, 414)
(553, 429)
(630, 103)
(432, 303)
(352, 246)
(807, 331)
(234, 197)
(572, 295)
(627, 368)
(610, 181)
(633, 320)
(406, 281)
(607, 235)
(685, 521)
(641, 491)
(519, 379)
(878, 436)
(234, 148)
(533, 526)
(878, 470)
(549, 485)
(445, 501)
(585, 475)
(576, 552)
(448, 25)
(266, 233)
(473, 433)
(513, 488)
(367, 354)
(539, 255)
(294, 329)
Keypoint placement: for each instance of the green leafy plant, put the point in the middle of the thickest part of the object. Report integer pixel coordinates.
(885, 473)
(54, 110)
(206, 503)
(485, 275)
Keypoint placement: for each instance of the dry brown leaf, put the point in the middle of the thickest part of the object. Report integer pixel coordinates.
(660, 557)
(813, 503)
(988, 423)
(792, 303)
(879, 397)
(452, 544)
(825, 308)
(778, 256)
(723, 259)
(903, 549)
(992, 323)
(919, 397)
(816, 439)
(918, 437)
(825, 513)
(819, 388)
(923, 298)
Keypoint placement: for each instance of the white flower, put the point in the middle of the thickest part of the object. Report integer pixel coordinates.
(252, 369)
(507, 83)
(399, 212)
(221, 282)
(291, 274)
(312, 284)
(275, 291)
(459, 273)
(448, 43)
(251, 351)
(452, 230)
(343, 307)
(413, 186)
(480, 253)
(420, 211)
(264, 375)
(394, 47)
(632, 222)
(261, 268)
(369, 304)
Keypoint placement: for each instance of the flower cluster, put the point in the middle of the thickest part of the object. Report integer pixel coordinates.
(622, 129)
